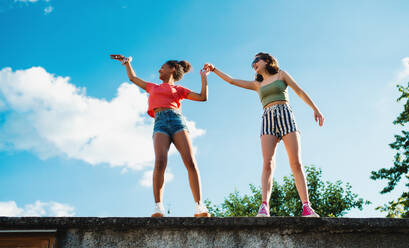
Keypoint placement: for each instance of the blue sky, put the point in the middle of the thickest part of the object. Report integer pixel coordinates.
(75, 136)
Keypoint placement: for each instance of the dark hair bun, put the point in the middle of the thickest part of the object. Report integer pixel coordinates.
(181, 67)
(259, 78)
(186, 65)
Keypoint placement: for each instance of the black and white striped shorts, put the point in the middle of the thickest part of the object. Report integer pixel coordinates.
(278, 120)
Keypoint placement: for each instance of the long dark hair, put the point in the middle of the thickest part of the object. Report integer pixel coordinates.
(181, 67)
(271, 66)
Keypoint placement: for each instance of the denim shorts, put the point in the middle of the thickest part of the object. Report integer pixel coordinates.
(169, 122)
(278, 120)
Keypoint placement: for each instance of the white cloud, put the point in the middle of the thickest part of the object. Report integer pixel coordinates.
(146, 180)
(48, 10)
(49, 116)
(59, 209)
(39, 208)
(404, 72)
(193, 130)
(10, 209)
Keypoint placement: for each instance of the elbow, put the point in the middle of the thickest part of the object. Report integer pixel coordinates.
(132, 79)
(203, 98)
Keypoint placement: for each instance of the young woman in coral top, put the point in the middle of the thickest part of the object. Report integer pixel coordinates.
(170, 126)
(278, 123)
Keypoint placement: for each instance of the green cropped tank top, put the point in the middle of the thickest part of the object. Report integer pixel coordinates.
(275, 91)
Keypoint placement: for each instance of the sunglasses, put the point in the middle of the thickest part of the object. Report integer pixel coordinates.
(257, 59)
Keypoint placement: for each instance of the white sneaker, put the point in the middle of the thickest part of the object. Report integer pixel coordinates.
(263, 211)
(201, 210)
(159, 210)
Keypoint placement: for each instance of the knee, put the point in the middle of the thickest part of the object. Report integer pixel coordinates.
(268, 166)
(190, 164)
(160, 163)
(296, 166)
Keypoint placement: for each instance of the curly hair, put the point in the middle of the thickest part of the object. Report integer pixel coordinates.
(181, 67)
(271, 66)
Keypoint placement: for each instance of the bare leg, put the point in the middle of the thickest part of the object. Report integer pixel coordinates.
(161, 144)
(293, 147)
(182, 142)
(268, 147)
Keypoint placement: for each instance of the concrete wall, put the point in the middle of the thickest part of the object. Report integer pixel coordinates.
(219, 232)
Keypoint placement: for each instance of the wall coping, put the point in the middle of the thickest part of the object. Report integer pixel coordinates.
(285, 225)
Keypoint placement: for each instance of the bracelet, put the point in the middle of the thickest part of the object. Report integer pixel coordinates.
(126, 60)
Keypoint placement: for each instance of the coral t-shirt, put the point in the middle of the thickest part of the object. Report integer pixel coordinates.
(165, 96)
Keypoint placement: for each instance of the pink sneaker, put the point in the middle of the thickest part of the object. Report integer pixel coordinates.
(307, 211)
(263, 211)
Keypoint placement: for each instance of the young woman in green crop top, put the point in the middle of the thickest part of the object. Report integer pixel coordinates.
(278, 123)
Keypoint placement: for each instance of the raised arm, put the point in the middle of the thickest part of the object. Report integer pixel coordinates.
(203, 93)
(251, 85)
(291, 82)
(131, 74)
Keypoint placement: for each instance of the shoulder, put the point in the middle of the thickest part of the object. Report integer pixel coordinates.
(182, 91)
(289, 80)
(180, 88)
(150, 86)
(283, 74)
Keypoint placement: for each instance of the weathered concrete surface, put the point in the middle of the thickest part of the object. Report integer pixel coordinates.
(219, 232)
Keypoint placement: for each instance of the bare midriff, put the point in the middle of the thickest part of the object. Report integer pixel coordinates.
(275, 103)
(156, 110)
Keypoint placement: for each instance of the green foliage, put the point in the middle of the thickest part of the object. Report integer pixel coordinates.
(400, 168)
(237, 205)
(328, 199)
(397, 209)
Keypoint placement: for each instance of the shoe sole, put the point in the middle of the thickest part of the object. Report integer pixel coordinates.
(156, 215)
(311, 216)
(262, 215)
(202, 215)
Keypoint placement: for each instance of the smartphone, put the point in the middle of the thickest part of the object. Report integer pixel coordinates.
(116, 56)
